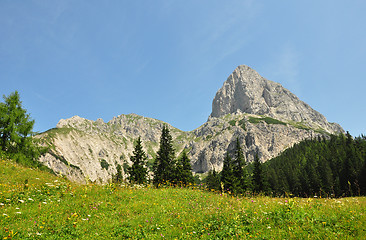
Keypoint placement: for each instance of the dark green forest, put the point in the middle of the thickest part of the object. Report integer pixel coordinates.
(323, 167)
(328, 167)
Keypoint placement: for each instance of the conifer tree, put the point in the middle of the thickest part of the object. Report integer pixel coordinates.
(227, 177)
(164, 167)
(184, 170)
(240, 183)
(16, 130)
(258, 177)
(15, 125)
(213, 180)
(138, 171)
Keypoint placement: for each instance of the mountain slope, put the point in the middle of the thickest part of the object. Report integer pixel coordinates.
(265, 117)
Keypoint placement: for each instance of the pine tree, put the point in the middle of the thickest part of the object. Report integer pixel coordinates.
(227, 177)
(138, 171)
(240, 183)
(165, 165)
(184, 170)
(258, 177)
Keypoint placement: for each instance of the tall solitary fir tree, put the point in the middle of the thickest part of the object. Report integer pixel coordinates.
(164, 167)
(138, 171)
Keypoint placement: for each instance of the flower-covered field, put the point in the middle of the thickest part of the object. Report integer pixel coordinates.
(37, 205)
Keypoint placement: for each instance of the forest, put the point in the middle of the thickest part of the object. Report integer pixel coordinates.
(331, 166)
(323, 167)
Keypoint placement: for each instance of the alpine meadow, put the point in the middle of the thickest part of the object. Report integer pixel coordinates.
(265, 165)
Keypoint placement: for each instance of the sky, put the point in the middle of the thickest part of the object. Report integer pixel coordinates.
(166, 59)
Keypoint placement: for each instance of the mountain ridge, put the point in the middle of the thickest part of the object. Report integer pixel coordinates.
(84, 150)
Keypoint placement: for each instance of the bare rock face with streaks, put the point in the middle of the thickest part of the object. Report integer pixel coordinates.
(246, 91)
(266, 118)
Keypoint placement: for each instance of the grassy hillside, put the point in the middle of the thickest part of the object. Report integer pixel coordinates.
(38, 205)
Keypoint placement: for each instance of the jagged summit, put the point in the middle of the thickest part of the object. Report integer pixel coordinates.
(245, 91)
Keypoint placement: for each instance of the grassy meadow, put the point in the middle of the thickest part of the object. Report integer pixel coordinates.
(38, 205)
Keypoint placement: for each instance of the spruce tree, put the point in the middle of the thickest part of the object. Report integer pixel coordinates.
(184, 170)
(240, 183)
(164, 167)
(227, 177)
(258, 177)
(138, 171)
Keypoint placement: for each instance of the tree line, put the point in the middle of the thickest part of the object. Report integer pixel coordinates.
(325, 167)
(333, 167)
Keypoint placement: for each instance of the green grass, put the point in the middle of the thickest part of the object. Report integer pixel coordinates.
(37, 205)
(268, 120)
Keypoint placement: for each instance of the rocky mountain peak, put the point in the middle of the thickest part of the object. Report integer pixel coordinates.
(245, 91)
(263, 115)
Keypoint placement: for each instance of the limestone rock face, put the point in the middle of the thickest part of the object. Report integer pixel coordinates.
(266, 118)
(247, 92)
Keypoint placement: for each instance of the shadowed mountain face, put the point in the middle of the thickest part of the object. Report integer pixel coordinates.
(266, 118)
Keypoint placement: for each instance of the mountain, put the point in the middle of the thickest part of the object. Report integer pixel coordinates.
(266, 118)
(245, 91)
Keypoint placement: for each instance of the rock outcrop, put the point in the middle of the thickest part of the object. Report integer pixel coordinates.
(247, 92)
(266, 118)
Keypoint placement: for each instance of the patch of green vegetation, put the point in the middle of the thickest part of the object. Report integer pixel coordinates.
(322, 131)
(254, 120)
(267, 120)
(181, 137)
(232, 122)
(242, 124)
(63, 160)
(53, 132)
(227, 117)
(197, 139)
(299, 125)
(104, 164)
(208, 137)
(122, 157)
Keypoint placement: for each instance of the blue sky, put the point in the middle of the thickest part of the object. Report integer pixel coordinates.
(167, 59)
